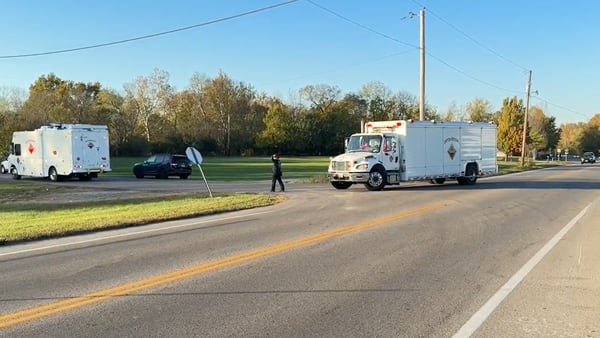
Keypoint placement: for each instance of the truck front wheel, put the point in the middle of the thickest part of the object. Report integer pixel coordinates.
(15, 173)
(341, 185)
(376, 179)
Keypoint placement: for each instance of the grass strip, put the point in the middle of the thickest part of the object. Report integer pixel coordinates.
(36, 223)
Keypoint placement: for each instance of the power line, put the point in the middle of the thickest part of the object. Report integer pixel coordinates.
(150, 35)
(470, 76)
(472, 39)
(411, 45)
(562, 107)
(495, 53)
(361, 25)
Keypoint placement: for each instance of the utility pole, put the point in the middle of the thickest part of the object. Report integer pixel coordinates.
(422, 66)
(528, 93)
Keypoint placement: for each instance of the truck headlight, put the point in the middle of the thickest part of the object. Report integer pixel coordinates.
(362, 166)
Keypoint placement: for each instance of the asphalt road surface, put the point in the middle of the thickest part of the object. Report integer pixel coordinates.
(512, 256)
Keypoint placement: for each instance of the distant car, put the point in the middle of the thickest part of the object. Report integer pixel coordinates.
(4, 167)
(163, 166)
(588, 157)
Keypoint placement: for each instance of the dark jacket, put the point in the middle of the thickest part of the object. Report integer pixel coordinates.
(276, 167)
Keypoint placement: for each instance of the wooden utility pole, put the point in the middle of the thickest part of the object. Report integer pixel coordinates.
(527, 94)
(422, 66)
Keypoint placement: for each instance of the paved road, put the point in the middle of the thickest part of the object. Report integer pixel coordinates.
(511, 256)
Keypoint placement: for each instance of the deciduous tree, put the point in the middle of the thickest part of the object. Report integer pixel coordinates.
(510, 126)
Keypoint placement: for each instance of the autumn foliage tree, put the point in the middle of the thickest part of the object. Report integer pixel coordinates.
(510, 126)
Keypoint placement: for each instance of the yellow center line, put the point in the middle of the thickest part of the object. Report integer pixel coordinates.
(53, 308)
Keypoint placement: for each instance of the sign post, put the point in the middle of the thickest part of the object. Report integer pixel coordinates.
(194, 155)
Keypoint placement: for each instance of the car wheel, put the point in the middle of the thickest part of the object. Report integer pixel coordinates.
(138, 173)
(3, 170)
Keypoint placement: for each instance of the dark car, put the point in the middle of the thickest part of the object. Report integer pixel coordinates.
(163, 166)
(588, 157)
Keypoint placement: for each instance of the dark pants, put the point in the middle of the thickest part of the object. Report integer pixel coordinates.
(277, 178)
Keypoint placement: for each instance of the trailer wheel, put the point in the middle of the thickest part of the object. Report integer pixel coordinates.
(376, 179)
(341, 185)
(53, 174)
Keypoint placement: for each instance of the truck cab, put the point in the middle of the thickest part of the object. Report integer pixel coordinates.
(370, 158)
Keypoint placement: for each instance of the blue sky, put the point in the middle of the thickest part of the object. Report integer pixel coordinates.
(476, 49)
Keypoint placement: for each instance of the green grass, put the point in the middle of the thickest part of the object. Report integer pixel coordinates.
(302, 168)
(240, 168)
(30, 222)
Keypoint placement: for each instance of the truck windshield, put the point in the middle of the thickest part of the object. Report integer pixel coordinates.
(364, 142)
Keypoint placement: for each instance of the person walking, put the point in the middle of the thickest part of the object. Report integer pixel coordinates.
(276, 173)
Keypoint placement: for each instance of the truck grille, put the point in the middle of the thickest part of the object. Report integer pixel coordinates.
(341, 165)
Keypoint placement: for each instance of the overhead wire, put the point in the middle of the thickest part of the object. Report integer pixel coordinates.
(361, 25)
(472, 39)
(493, 52)
(561, 107)
(148, 36)
(411, 45)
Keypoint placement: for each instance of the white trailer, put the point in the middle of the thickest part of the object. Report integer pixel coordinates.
(390, 152)
(60, 151)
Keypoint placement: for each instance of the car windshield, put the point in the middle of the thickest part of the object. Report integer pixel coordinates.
(364, 142)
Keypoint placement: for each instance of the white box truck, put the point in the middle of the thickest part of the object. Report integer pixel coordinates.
(60, 151)
(390, 152)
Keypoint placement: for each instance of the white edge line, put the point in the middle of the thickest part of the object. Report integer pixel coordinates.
(128, 234)
(485, 311)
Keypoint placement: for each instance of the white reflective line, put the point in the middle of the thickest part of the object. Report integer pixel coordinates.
(184, 224)
(486, 310)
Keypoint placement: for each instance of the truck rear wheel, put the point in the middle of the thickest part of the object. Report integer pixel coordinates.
(437, 181)
(376, 179)
(341, 185)
(470, 177)
(53, 175)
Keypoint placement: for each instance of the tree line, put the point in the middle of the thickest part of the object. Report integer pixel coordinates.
(221, 116)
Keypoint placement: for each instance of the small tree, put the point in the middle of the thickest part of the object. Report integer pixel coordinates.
(510, 126)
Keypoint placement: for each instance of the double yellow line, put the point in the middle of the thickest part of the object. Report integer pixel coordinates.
(57, 307)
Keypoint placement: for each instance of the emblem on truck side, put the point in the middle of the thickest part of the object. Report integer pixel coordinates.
(451, 151)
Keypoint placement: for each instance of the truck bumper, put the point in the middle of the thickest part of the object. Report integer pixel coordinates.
(348, 177)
